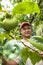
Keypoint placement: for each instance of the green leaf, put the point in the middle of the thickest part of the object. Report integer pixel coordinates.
(26, 8)
(36, 44)
(3, 35)
(34, 56)
(0, 8)
(37, 38)
(27, 0)
(1, 25)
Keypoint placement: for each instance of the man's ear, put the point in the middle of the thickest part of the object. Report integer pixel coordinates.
(20, 31)
(4, 61)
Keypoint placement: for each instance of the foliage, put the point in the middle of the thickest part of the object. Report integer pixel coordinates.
(27, 0)
(10, 29)
(38, 39)
(21, 18)
(22, 7)
(30, 0)
(34, 56)
(0, 8)
(36, 44)
(15, 1)
(4, 38)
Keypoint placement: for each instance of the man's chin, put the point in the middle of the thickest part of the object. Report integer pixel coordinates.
(28, 36)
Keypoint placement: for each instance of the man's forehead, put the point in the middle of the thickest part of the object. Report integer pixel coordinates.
(26, 26)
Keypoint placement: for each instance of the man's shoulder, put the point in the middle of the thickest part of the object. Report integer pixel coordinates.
(14, 42)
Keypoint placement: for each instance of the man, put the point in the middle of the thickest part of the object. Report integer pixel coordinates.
(26, 32)
(18, 45)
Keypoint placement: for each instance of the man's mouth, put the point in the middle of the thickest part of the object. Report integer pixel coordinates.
(27, 33)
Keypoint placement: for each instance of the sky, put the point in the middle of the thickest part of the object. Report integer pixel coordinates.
(7, 5)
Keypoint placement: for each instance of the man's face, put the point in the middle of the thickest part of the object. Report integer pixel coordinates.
(26, 31)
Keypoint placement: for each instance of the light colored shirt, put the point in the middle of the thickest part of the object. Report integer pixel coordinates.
(12, 50)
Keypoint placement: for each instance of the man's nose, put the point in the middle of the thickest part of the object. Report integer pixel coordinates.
(27, 30)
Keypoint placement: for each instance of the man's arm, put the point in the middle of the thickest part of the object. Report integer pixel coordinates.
(4, 62)
(41, 53)
(10, 62)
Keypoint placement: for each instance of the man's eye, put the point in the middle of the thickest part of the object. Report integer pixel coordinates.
(24, 29)
(29, 28)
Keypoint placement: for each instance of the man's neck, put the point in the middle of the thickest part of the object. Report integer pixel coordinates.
(25, 39)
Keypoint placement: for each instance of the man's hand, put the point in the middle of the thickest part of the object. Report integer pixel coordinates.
(11, 62)
(41, 53)
(4, 62)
